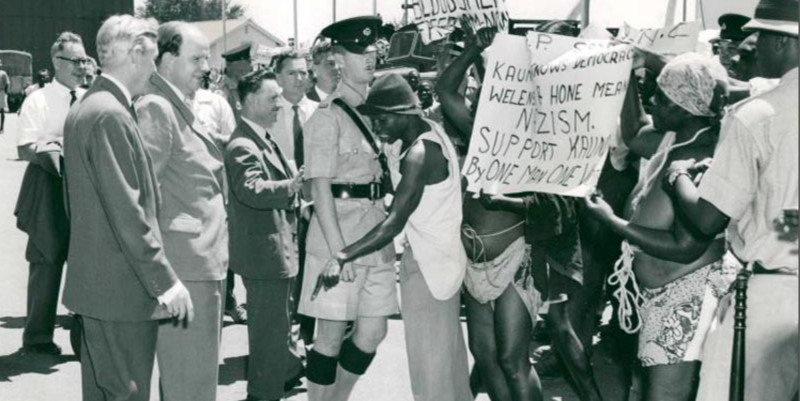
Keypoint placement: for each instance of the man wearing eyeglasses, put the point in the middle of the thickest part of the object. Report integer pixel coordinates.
(40, 207)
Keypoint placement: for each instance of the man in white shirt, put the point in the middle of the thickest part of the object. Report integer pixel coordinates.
(40, 207)
(751, 185)
(291, 71)
(326, 72)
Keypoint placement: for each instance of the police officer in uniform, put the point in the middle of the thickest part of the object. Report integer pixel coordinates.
(730, 37)
(237, 65)
(345, 178)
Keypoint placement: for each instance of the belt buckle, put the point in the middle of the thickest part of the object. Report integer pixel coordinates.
(373, 191)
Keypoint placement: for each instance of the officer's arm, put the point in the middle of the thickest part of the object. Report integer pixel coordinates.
(326, 213)
(407, 198)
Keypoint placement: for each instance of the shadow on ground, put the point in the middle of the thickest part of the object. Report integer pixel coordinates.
(20, 363)
(18, 322)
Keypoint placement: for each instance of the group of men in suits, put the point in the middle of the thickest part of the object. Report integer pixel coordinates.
(152, 199)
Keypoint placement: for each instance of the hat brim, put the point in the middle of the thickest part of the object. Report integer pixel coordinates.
(785, 27)
(373, 110)
(358, 48)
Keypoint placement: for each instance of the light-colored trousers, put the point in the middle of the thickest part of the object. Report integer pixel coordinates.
(188, 354)
(771, 344)
(437, 355)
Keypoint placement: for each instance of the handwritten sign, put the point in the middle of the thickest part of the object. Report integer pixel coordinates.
(547, 109)
(435, 19)
(671, 40)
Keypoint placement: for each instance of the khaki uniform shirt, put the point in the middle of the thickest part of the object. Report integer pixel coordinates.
(335, 148)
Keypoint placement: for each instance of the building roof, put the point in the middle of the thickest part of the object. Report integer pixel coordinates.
(213, 29)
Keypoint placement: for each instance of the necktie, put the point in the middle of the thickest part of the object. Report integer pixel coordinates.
(72, 97)
(297, 130)
(274, 145)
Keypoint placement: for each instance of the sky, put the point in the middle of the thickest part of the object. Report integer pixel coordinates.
(277, 16)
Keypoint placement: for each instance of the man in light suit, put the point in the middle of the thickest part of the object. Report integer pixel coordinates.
(264, 193)
(190, 174)
(119, 279)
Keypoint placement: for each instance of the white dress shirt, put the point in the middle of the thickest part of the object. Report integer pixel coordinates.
(215, 114)
(282, 131)
(43, 114)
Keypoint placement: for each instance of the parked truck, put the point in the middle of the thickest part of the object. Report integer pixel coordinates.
(18, 66)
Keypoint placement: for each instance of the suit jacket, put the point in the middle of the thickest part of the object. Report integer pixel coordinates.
(41, 214)
(261, 222)
(117, 266)
(191, 177)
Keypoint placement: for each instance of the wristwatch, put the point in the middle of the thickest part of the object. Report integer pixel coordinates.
(673, 176)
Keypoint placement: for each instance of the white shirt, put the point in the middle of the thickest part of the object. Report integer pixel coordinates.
(433, 230)
(282, 131)
(215, 114)
(322, 94)
(44, 112)
(754, 175)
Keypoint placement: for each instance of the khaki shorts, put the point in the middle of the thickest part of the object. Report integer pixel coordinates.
(372, 294)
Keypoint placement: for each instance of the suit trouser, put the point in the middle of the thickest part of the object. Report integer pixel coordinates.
(188, 354)
(771, 344)
(117, 362)
(271, 362)
(44, 283)
(437, 355)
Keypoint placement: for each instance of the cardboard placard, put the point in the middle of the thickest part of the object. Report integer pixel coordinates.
(547, 110)
(672, 40)
(435, 19)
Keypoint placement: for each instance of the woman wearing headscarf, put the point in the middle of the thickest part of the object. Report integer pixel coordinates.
(669, 275)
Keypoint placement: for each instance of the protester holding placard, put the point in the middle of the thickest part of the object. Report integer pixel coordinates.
(501, 301)
(684, 274)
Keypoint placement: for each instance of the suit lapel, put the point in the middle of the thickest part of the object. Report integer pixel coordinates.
(102, 83)
(188, 115)
(270, 154)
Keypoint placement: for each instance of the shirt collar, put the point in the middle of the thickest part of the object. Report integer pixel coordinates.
(791, 75)
(59, 87)
(261, 131)
(322, 94)
(288, 105)
(120, 85)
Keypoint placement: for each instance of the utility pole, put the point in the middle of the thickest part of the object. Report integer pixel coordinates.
(334, 10)
(586, 11)
(295, 25)
(374, 7)
(405, 12)
(224, 30)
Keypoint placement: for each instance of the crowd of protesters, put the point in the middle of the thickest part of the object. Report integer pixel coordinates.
(153, 180)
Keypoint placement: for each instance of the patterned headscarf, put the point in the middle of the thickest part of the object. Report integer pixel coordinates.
(689, 81)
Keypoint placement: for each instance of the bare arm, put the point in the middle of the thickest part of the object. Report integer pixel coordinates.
(421, 159)
(679, 244)
(635, 124)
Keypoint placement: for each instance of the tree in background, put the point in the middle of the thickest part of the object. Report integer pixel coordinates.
(188, 10)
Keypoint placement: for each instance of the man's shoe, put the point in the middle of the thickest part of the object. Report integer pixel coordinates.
(238, 314)
(294, 381)
(46, 349)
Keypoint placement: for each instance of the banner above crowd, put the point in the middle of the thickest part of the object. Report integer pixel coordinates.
(548, 107)
(670, 41)
(435, 19)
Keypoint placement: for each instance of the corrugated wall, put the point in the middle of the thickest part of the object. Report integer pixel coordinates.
(33, 25)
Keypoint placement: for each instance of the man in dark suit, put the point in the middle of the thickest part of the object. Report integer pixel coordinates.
(119, 279)
(263, 250)
(189, 170)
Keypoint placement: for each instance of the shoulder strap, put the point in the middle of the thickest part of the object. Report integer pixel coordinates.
(386, 178)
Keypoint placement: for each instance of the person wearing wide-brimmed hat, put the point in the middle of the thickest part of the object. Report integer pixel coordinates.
(427, 207)
(753, 184)
(348, 179)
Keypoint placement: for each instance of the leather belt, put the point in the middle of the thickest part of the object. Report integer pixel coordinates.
(371, 191)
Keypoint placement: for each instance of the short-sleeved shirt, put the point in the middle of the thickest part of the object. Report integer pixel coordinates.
(44, 112)
(214, 113)
(754, 176)
(335, 148)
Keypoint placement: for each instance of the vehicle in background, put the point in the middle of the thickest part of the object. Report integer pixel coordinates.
(18, 66)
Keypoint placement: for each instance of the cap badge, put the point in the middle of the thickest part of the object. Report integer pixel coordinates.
(367, 32)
